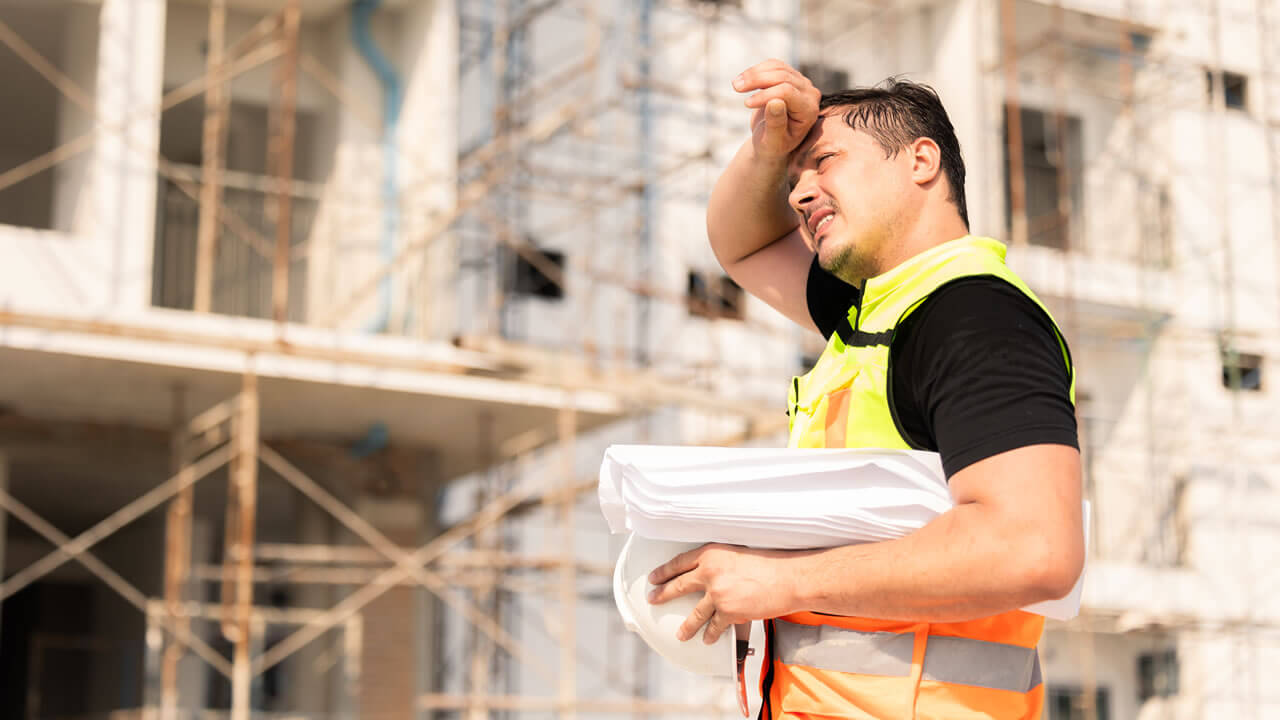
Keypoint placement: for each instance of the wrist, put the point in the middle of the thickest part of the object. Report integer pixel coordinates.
(796, 583)
(771, 163)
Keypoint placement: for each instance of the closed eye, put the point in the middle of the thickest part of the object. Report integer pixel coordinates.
(823, 157)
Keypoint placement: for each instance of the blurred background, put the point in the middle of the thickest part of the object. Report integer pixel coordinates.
(317, 315)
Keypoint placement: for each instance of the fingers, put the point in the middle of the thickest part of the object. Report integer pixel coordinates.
(786, 92)
(756, 80)
(715, 627)
(680, 586)
(702, 612)
(764, 74)
(767, 74)
(678, 565)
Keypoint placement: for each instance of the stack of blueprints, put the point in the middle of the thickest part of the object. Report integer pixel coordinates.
(778, 498)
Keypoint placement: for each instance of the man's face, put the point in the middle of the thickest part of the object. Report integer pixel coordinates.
(849, 197)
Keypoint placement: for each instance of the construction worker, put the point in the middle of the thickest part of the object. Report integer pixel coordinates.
(846, 213)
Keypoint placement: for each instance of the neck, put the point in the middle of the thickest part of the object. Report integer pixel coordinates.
(927, 230)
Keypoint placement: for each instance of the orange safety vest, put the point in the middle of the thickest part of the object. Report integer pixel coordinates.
(827, 666)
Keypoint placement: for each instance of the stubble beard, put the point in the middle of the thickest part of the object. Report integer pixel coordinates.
(846, 264)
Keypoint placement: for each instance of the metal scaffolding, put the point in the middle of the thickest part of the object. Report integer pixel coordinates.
(468, 568)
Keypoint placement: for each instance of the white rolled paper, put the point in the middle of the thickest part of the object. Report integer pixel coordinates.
(781, 498)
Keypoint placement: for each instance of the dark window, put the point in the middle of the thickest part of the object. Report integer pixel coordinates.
(1070, 703)
(1053, 169)
(46, 199)
(1157, 674)
(713, 296)
(242, 277)
(1241, 371)
(827, 79)
(539, 273)
(1235, 87)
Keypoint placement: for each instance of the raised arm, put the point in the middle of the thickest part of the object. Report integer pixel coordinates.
(753, 230)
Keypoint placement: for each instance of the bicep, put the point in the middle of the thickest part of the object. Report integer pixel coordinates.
(1032, 496)
(1035, 481)
(994, 387)
(778, 274)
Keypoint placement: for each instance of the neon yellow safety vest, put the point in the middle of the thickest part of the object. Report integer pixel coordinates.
(819, 665)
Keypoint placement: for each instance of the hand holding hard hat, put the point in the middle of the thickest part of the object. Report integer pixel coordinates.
(659, 625)
(737, 585)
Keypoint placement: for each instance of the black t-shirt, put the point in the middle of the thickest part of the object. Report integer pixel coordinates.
(976, 370)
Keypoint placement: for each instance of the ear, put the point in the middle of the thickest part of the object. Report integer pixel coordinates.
(926, 160)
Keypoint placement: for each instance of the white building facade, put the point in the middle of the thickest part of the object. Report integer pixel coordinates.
(536, 174)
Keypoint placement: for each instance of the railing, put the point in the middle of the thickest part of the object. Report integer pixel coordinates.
(242, 271)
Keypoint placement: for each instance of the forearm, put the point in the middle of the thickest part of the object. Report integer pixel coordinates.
(953, 569)
(748, 208)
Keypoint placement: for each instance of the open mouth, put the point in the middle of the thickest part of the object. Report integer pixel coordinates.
(818, 224)
(822, 224)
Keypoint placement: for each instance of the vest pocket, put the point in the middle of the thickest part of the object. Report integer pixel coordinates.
(836, 420)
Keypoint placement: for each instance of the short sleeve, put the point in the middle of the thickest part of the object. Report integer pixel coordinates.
(978, 370)
(829, 298)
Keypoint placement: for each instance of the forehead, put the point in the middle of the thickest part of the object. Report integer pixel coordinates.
(829, 130)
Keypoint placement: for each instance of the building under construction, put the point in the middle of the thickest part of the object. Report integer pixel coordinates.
(317, 315)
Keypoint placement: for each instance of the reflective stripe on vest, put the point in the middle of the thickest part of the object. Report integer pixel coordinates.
(963, 661)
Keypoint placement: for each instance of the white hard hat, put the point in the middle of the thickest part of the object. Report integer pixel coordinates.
(657, 624)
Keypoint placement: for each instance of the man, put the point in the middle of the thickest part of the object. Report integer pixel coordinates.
(847, 214)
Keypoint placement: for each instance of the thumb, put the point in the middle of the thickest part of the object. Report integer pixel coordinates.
(775, 114)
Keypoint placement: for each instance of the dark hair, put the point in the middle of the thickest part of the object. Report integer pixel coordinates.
(896, 112)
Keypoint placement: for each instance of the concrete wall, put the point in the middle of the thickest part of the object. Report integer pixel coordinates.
(420, 41)
(80, 61)
(589, 199)
(102, 202)
(1180, 467)
(105, 202)
(1164, 440)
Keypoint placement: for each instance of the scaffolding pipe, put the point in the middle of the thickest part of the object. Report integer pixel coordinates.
(1013, 123)
(177, 560)
(241, 522)
(284, 126)
(217, 108)
(568, 693)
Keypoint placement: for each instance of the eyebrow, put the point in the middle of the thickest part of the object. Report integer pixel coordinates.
(793, 177)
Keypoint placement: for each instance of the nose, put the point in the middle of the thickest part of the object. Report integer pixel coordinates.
(804, 194)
